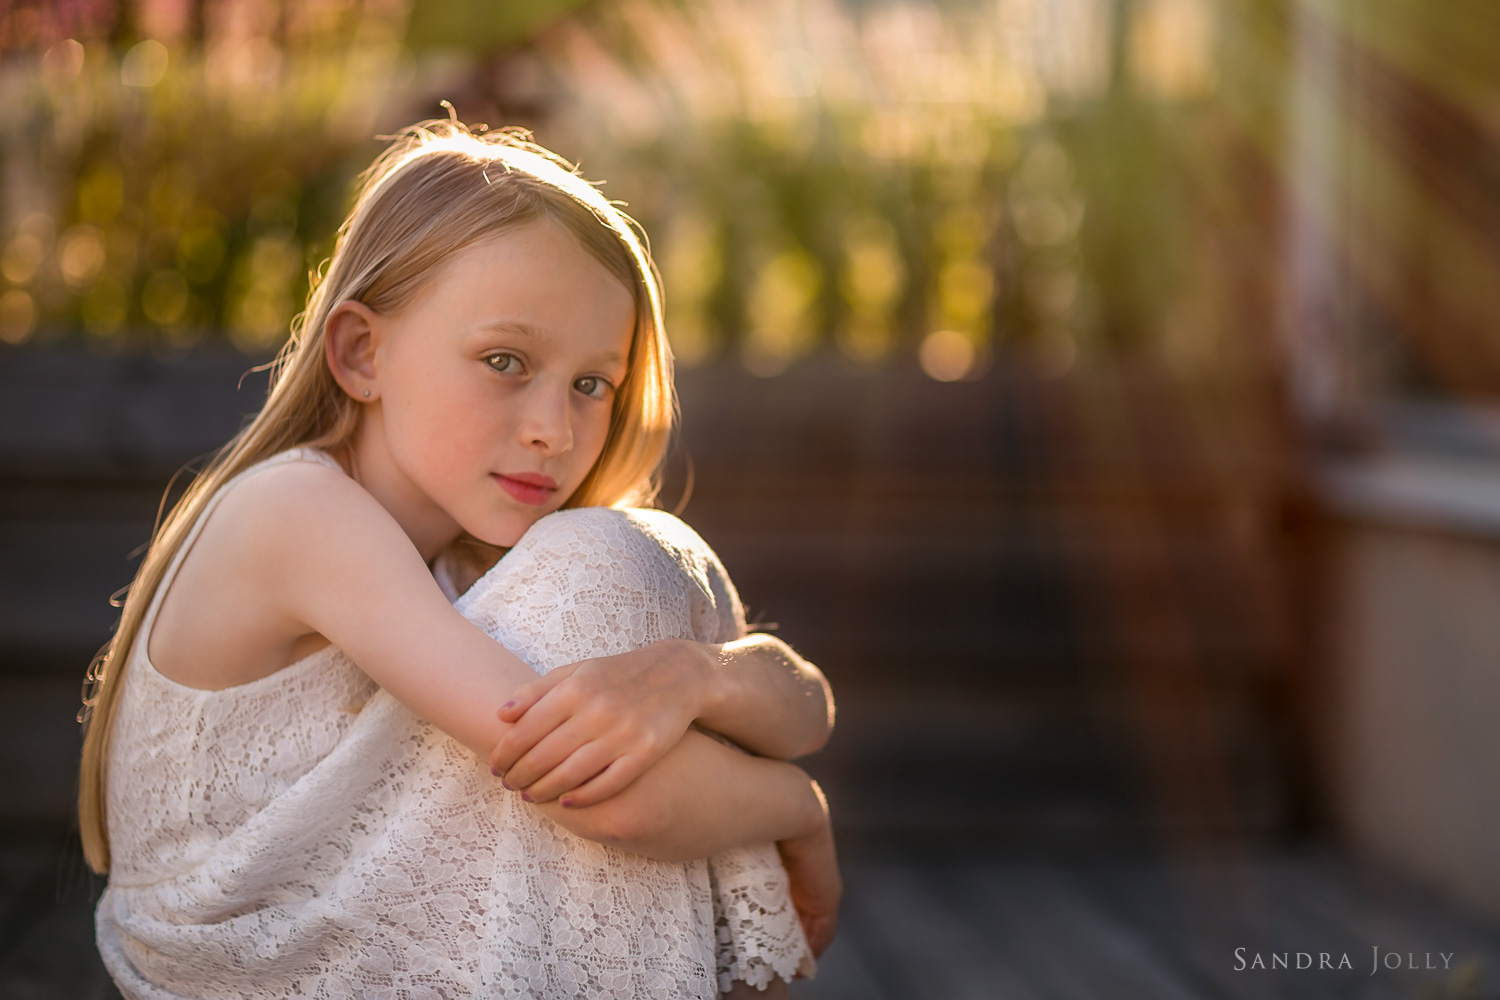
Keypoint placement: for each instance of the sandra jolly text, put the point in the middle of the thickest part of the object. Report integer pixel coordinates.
(1392, 960)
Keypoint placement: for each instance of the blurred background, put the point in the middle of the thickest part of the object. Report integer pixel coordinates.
(1103, 392)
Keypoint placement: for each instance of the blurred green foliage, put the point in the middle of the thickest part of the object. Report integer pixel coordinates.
(169, 180)
(897, 181)
(935, 182)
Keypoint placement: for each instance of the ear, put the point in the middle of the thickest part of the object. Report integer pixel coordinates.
(351, 339)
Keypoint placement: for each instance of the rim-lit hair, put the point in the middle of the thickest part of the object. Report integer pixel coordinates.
(438, 189)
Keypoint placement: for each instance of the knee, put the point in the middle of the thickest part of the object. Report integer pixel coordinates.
(648, 553)
(598, 525)
(621, 578)
(649, 547)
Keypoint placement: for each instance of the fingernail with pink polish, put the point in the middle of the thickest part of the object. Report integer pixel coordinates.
(525, 797)
(566, 803)
(508, 704)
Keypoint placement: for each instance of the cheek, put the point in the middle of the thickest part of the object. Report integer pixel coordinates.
(441, 421)
(592, 433)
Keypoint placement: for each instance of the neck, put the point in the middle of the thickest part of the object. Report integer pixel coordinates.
(427, 525)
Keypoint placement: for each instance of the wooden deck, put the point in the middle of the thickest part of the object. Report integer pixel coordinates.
(1136, 929)
(998, 928)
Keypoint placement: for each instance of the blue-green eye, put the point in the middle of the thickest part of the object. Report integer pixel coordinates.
(505, 364)
(593, 385)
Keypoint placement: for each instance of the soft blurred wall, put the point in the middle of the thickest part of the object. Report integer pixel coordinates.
(1393, 243)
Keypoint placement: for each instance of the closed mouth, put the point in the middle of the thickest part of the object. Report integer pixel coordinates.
(527, 487)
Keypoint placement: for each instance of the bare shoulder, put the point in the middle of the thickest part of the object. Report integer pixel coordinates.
(311, 526)
(301, 491)
(313, 558)
(233, 612)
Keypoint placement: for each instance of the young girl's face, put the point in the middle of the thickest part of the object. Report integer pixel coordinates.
(496, 386)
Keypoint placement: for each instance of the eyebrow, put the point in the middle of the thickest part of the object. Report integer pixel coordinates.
(513, 326)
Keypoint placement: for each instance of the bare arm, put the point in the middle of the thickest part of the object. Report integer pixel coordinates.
(334, 562)
(755, 690)
(700, 799)
(766, 698)
(339, 565)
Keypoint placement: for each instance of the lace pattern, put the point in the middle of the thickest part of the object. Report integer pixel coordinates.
(595, 581)
(307, 836)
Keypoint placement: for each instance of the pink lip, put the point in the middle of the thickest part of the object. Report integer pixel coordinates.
(527, 487)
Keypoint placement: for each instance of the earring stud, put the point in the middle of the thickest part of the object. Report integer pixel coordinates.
(367, 393)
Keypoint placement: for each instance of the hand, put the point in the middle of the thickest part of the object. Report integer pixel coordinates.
(587, 730)
(812, 869)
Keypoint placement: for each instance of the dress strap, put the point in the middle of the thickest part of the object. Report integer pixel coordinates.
(305, 454)
(308, 454)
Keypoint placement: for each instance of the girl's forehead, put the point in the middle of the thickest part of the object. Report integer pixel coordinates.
(533, 249)
(536, 284)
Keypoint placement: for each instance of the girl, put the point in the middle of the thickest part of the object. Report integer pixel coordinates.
(279, 770)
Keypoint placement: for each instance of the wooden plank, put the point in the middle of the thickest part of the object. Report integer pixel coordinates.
(1062, 940)
(1190, 917)
(930, 949)
(1141, 967)
(1397, 916)
(1197, 914)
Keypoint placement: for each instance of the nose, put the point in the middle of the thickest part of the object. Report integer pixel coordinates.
(546, 421)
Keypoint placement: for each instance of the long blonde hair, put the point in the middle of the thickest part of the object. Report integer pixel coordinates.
(436, 190)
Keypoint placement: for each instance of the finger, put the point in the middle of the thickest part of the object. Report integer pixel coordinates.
(825, 935)
(540, 720)
(589, 760)
(549, 752)
(528, 694)
(558, 700)
(607, 783)
(819, 932)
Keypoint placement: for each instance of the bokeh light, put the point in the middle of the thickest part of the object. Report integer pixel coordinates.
(947, 355)
(17, 316)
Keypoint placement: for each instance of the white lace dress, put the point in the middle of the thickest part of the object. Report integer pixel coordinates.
(305, 835)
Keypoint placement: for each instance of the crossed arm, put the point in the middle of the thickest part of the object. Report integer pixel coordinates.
(700, 797)
(611, 734)
(756, 691)
(610, 737)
